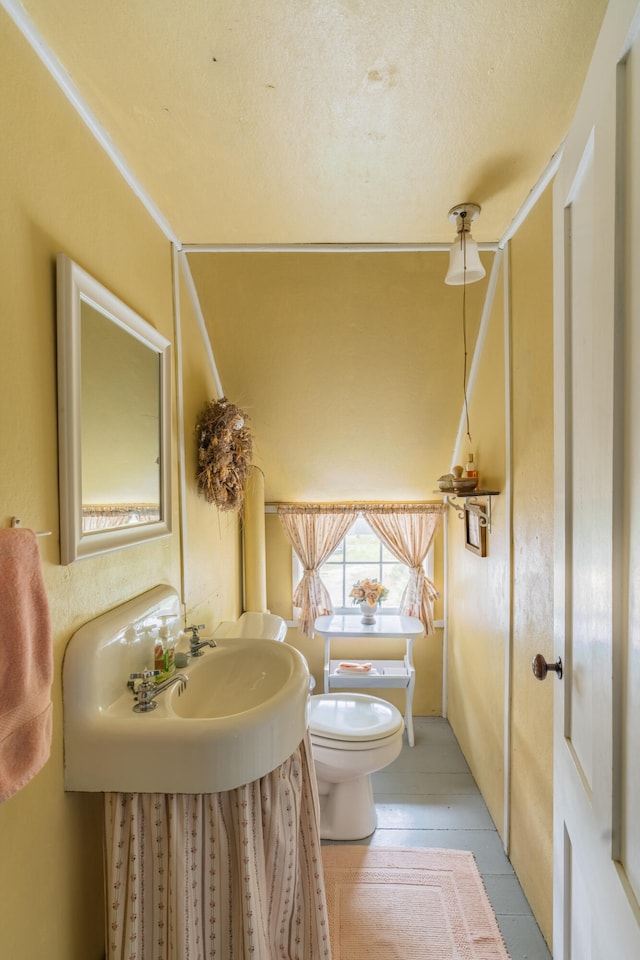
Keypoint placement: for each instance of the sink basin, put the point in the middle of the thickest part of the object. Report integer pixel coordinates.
(242, 713)
(234, 680)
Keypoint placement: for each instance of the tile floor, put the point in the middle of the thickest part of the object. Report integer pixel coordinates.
(428, 798)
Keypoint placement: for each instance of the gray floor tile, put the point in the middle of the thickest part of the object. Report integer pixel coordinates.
(413, 781)
(485, 845)
(523, 939)
(437, 759)
(402, 811)
(506, 895)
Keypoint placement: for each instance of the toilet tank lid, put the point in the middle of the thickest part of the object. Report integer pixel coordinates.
(255, 626)
(352, 716)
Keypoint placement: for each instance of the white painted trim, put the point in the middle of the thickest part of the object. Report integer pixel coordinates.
(477, 353)
(445, 622)
(22, 21)
(534, 195)
(508, 535)
(292, 624)
(326, 247)
(182, 482)
(195, 302)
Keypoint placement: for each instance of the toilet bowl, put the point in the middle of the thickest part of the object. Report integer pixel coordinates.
(352, 736)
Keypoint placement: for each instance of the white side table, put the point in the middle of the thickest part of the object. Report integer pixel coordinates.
(384, 673)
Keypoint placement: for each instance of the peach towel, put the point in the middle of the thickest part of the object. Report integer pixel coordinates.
(26, 662)
(355, 667)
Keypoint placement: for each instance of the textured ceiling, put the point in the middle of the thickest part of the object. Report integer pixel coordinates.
(336, 121)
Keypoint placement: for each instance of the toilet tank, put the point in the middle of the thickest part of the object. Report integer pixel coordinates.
(255, 626)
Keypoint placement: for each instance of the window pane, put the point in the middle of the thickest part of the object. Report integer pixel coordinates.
(395, 577)
(360, 556)
(362, 546)
(332, 578)
(360, 571)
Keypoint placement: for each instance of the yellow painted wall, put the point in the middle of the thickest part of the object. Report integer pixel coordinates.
(59, 192)
(478, 601)
(507, 598)
(532, 726)
(349, 366)
(212, 544)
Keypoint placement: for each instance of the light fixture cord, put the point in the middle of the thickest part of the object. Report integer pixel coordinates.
(463, 240)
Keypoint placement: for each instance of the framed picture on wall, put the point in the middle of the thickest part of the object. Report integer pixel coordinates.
(475, 532)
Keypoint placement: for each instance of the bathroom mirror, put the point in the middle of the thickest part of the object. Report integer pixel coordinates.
(114, 420)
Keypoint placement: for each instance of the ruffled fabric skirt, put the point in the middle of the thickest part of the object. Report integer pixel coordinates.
(222, 876)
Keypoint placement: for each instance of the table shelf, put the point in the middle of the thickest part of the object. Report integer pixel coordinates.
(389, 674)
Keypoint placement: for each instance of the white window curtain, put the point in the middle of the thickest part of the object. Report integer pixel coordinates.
(408, 532)
(315, 530)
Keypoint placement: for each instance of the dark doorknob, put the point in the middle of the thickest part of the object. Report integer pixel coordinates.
(541, 668)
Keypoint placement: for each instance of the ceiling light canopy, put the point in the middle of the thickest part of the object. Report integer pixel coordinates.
(464, 259)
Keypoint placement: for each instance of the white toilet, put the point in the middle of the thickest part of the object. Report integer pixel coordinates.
(352, 736)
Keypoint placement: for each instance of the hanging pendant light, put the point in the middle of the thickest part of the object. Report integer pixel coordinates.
(464, 259)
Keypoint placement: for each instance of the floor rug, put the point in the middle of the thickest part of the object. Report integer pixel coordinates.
(408, 904)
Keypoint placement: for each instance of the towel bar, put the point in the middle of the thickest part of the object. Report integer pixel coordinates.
(16, 522)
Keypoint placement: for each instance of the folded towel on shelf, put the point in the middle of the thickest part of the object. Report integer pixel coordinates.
(349, 667)
(26, 662)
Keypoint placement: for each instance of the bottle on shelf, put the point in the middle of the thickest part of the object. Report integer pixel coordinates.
(471, 469)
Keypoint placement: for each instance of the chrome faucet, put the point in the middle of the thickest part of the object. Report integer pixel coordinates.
(195, 643)
(145, 692)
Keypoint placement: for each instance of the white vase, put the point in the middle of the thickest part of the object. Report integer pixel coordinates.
(368, 613)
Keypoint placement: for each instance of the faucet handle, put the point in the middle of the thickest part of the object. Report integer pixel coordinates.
(193, 630)
(146, 677)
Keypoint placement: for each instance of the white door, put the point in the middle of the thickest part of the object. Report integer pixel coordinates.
(597, 559)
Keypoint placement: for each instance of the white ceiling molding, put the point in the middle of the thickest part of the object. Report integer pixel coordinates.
(325, 247)
(195, 301)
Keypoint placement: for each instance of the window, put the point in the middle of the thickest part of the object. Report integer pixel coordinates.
(360, 555)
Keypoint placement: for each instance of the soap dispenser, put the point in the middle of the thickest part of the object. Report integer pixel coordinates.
(147, 647)
(165, 650)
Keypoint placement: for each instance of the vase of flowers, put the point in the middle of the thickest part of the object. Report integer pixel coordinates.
(368, 594)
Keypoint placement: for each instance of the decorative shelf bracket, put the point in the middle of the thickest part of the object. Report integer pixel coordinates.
(461, 502)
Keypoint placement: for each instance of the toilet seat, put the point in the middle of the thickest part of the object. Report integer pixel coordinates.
(352, 719)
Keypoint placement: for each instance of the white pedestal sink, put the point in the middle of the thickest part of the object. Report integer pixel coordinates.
(243, 713)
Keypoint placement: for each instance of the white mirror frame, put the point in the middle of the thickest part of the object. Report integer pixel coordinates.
(73, 286)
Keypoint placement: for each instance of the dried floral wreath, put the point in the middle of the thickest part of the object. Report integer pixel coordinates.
(224, 453)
